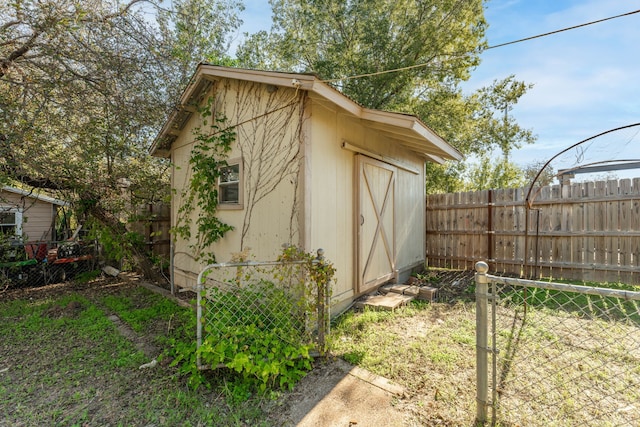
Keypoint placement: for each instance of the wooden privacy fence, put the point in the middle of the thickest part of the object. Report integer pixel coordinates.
(153, 221)
(583, 231)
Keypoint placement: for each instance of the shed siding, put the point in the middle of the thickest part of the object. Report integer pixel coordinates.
(331, 202)
(333, 198)
(410, 224)
(296, 174)
(268, 145)
(37, 216)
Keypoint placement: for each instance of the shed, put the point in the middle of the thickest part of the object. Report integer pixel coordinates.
(312, 168)
(28, 214)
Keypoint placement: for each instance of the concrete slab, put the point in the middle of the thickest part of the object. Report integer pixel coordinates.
(343, 395)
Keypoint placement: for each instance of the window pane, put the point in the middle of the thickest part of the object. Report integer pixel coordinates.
(230, 173)
(229, 193)
(7, 218)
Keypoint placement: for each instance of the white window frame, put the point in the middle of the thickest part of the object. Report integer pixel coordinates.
(18, 218)
(239, 183)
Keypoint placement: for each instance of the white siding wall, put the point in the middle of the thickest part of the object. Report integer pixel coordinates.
(37, 216)
(331, 204)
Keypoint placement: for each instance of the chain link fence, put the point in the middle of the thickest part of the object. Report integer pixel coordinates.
(42, 263)
(279, 298)
(551, 354)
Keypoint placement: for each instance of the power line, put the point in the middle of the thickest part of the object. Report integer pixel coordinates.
(410, 67)
(562, 30)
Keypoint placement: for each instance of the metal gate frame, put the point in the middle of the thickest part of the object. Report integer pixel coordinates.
(487, 298)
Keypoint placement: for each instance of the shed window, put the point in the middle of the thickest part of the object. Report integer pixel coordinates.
(10, 222)
(230, 185)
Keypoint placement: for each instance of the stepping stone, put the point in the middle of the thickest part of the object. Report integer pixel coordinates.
(390, 301)
(385, 289)
(403, 289)
(427, 293)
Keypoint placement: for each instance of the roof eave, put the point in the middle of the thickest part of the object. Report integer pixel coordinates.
(431, 145)
(441, 149)
(40, 197)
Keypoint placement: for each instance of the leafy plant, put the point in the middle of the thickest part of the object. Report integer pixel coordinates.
(258, 329)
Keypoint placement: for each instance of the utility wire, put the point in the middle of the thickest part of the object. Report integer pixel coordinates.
(563, 30)
(487, 48)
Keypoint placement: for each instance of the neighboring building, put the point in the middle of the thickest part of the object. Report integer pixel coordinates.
(28, 215)
(312, 168)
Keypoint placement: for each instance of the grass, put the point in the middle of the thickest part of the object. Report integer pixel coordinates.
(63, 362)
(569, 360)
(584, 305)
(427, 348)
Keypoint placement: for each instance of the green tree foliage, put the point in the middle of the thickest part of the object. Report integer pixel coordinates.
(195, 31)
(479, 125)
(434, 45)
(490, 173)
(84, 88)
(338, 39)
(544, 176)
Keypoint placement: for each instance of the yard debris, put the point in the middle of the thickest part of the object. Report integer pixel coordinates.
(151, 364)
(111, 271)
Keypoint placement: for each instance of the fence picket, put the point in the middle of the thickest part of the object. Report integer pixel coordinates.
(576, 230)
(519, 212)
(600, 244)
(624, 224)
(544, 227)
(612, 228)
(555, 224)
(501, 228)
(635, 226)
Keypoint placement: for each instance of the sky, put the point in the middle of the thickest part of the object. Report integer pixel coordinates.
(586, 80)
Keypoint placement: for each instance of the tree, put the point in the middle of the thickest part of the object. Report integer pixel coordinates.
(490, 173)
(337, 39)
(195, 31)
(84, 87)
(433, 46)
(479, 125)
(546, 177)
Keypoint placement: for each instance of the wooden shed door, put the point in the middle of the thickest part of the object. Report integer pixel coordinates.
(376, 219)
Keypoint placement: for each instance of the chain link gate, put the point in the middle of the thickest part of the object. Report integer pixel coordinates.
(276, 297)
(552, 354)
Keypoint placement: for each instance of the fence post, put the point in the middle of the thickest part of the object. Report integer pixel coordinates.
(321, 306)
(482, 378)
(199, 302)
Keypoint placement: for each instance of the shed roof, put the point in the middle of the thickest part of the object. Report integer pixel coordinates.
(407, 130)
(36, 196)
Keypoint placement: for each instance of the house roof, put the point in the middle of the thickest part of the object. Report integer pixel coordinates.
(36, 196)
(407, 130)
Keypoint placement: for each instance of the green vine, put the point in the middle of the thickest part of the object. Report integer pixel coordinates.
(208, 157)
(320, 270)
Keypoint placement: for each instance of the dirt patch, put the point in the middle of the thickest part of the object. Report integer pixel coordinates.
(139, 341)
(71, 310)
